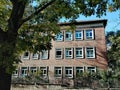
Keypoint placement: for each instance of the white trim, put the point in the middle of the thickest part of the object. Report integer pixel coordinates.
(59, 71)
(92, 49)
(79, 32)
(33, 69)
(35, 56)
(80, 69)
(68, 53)
(93, 69)
(44, 54)
(91, 31)
(77, 56)
(25, 56)
(59, 36)
(24, 71)
(15, 73)
(44, 71)
(58, 56)
(69, 72)
(69, 36)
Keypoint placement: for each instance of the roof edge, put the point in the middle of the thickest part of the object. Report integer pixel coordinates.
(104, 21)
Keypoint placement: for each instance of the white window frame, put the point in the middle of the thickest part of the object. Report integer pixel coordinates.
(77, 34)
(91, 69)
(79, 50)
(89, 34)
(35, 56)
(70, 36)
(44, 71)
(24, 71)
(58, 71)
(26, 57)
(69, 72)
(33, 69)
(79, 70)
(91, 52)
(15, 73)
(44, 54)
(59, 36)
(68, 53)
(58, 50)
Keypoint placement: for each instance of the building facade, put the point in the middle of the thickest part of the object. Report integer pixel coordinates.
(73, 51)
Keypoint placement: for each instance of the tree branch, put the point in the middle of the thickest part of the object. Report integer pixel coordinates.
(37, 11)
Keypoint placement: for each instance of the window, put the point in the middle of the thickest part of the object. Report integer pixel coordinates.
(35, 56)
(44, 71)
(78, 34)
(58, 71)
(59, 37)
(44, 54)
(58, 53)
(68, 36)
(33, 69)
(89, 34)
(79, 52)
(26, 55)
(69, 72)
(15, 73)
(79, 70)
(24, 71)
(68, 52)
(91, 69)
(90, 52)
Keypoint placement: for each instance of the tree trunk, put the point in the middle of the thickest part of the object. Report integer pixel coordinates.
(7, 59)
(8, 44)
(5, 79)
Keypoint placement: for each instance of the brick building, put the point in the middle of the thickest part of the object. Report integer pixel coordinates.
(83, 49)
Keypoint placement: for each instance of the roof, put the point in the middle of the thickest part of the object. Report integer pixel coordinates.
(104, 21)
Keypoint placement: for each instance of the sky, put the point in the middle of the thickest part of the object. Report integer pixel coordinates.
(113, 23)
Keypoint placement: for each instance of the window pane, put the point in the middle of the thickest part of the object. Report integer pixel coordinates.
(26, 55)
(68, 36)
(90, 52)
(24, 71)
(79, 52)
(68, 52)
(44, 54)
(58, 71)
(58, 53)
(78, 35)
(43, 70)
(59, 36)
(91, 69)
(89, 34)
(69, 72)
(35, 56)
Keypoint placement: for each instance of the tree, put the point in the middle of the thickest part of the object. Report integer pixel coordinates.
(113, 53)
(26, 26)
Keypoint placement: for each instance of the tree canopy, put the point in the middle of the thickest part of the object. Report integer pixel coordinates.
(26, 26)
(113, 54)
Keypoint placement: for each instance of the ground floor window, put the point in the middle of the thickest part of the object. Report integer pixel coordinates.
(69, 72)
(68, 52)
(24, 71)
(79, 71)
(33, 70)
(91, 69)
(58, 71)
(44, 71)
(15, 73)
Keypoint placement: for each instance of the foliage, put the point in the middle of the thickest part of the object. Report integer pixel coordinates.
(25, 26)
(32, 78)
(113, 53)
